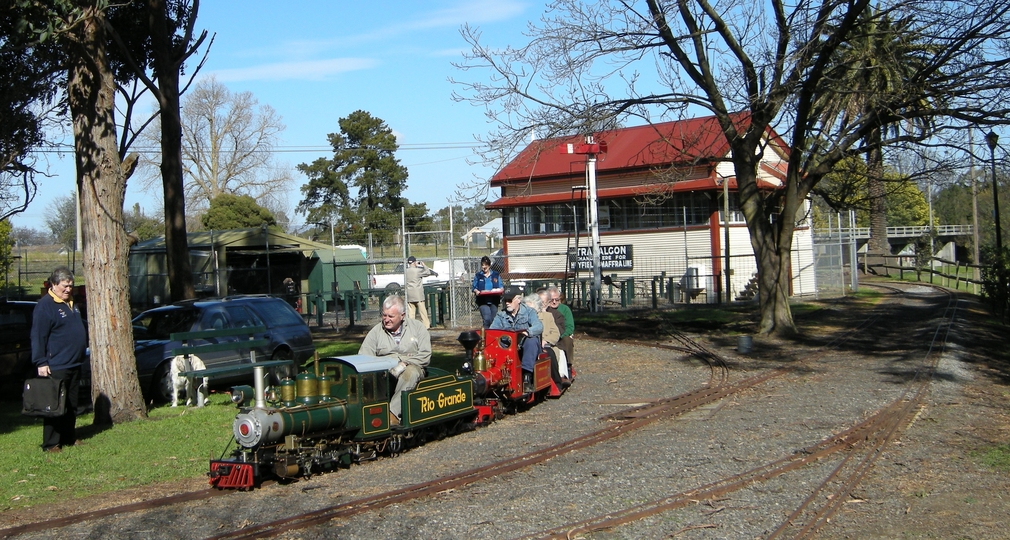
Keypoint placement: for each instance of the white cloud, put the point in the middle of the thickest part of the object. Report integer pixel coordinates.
(471, 12)
(303, 70)
(465, 12)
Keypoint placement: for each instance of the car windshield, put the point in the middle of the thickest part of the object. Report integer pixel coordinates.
(162, 324)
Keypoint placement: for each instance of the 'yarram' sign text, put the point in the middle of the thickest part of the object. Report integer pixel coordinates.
(611, 258)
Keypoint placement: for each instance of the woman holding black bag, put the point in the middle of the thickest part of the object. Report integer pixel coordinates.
(58, 343)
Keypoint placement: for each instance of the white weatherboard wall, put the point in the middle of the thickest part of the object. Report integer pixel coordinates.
(663, 253)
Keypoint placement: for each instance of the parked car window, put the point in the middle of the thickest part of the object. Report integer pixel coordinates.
(242, 317)
(162, 324)
(15, 342)
(278, 314)
(12, 318)
(214, 319)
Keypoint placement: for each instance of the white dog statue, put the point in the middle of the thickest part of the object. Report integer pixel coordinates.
(180, 364)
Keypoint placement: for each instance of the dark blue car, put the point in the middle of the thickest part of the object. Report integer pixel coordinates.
(287, 335)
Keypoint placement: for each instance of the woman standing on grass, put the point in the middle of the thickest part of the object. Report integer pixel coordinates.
(58, 344)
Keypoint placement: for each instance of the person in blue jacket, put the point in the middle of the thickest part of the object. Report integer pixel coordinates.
(58, 344)
(487, 280)
(520, 318)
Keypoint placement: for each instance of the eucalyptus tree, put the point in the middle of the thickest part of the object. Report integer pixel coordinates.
(96, 62)
(167, 41)
(79, 30)
(30, 75)
(754, 67)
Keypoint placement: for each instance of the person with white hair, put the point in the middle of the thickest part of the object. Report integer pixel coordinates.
(405, 339)
(552, 334)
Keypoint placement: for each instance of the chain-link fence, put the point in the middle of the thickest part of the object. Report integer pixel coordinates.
(821, 270)
(31, 268)
(835, 262)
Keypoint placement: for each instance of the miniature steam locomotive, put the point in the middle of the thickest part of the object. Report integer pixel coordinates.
(339, 415)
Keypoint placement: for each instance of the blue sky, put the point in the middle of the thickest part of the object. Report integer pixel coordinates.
(315, 62)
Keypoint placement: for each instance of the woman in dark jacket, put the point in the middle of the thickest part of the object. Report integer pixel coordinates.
(58, 344)
(487, 289)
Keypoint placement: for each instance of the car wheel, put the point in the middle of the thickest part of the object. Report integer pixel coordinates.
(279, 373)
(393, 287)
(161, 384)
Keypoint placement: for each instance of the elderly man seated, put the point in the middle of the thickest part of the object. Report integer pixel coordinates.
(404, 339)
(520, 318)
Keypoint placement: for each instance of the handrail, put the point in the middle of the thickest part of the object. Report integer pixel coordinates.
(896, 232)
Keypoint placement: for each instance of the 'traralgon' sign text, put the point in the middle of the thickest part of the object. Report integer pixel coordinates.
(611, 258)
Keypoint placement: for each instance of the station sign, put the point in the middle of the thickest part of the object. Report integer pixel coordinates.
(611, 258)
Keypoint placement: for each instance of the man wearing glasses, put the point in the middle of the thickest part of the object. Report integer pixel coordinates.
(404, 339)
(565, 321)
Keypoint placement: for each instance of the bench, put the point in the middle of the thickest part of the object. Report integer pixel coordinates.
(257, 368)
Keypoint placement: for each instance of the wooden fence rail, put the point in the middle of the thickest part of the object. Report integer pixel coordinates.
(901, 265)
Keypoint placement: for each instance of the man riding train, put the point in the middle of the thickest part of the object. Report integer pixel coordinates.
(402, 338)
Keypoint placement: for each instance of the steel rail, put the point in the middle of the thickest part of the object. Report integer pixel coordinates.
(880, 427)
(901, 417)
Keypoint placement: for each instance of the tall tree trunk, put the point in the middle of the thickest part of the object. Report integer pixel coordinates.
(878, 243)
(772, 244)
(180, 271)
(101, 182)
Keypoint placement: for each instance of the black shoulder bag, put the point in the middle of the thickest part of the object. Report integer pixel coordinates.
(44, 397)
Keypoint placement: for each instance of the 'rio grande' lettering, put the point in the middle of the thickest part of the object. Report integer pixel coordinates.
(454, 399)
(427, 405)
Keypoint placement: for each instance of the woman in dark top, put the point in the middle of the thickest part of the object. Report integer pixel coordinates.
(58, 343)
(485, 281)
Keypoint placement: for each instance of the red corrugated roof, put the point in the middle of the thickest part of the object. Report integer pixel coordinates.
(685, 141)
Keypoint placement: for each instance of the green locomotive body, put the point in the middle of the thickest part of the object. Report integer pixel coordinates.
(337, 418)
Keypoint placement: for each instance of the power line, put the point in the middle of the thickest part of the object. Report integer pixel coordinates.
(281, 149)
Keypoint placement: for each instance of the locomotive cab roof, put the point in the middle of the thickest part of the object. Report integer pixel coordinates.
(363, 363)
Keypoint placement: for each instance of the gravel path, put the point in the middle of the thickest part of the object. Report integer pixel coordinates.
(920, 487)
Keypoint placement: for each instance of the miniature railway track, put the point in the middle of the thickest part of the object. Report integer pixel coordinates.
(818, 508)
(638, 420)
(623, 422)
(151, 504)
(862, 444)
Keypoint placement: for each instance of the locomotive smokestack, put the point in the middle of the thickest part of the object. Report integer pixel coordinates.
(469, 341)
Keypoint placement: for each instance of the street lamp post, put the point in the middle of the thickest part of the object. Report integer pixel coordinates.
(992, 140)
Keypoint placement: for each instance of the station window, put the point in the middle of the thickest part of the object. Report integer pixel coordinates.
(644, 212)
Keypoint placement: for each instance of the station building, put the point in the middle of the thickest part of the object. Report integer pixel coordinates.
(660, 190)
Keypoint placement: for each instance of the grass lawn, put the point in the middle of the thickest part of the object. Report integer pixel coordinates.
(172, 444)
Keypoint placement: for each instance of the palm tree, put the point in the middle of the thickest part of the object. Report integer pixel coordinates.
(872, 70)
